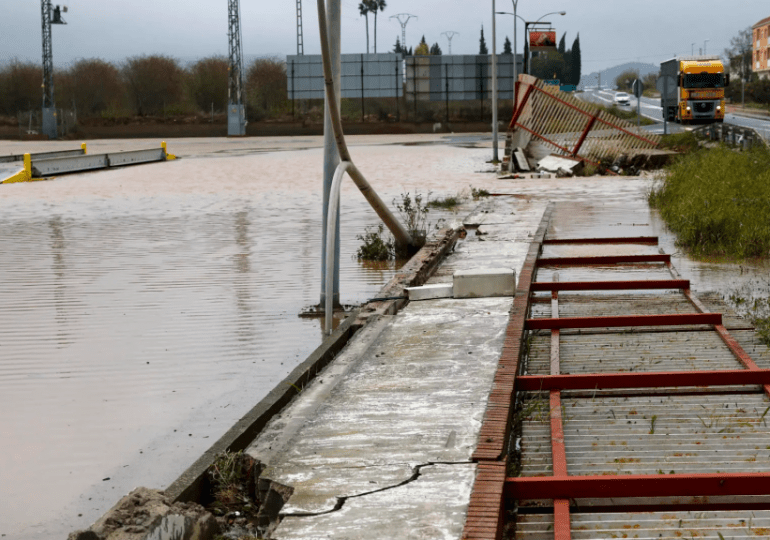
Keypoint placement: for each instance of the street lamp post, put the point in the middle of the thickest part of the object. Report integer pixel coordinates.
(495, 158)
(527, 25)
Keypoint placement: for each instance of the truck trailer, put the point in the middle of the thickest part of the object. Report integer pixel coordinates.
(698, 92)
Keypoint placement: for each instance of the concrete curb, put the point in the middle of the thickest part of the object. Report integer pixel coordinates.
(192, 483)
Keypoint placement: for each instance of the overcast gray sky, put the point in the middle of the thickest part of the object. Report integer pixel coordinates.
(612, 32)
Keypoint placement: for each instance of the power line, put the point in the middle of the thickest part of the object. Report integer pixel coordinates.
(403, 18)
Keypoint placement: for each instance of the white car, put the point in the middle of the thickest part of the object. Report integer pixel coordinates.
(621, 98)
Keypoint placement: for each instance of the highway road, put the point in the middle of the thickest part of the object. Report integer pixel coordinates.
(650, 108)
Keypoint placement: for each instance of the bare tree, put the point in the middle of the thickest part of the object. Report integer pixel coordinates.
(155, 83)
(739, 54)
(20, 87)
(208, 83)
(266, 87)
(94, 86)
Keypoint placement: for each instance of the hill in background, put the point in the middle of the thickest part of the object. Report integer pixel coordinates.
(609, 74)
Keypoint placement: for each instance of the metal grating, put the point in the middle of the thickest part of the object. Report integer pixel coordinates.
(601, 425)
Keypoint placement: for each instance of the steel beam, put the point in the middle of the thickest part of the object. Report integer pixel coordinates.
(601, 381)
(611, 285)
(627, 320)
(607, 240)
(638, 485)
(605, 259)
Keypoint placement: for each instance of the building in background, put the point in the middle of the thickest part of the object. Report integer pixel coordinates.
(760, 44)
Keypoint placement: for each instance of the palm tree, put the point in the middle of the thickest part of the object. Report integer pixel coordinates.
(377, 5)
(363, 9)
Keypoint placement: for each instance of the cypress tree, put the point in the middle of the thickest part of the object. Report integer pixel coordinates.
(575, 61)
(507, 46)
(482, 43)
(562, 43)
(398, 49)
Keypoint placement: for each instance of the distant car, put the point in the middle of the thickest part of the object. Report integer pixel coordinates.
(621, 98)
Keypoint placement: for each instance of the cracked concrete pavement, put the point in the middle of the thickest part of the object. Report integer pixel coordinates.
(379, 445)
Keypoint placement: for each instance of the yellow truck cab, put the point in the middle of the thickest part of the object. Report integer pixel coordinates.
(698, 92)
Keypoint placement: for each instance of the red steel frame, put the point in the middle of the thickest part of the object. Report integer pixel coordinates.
(561, 487)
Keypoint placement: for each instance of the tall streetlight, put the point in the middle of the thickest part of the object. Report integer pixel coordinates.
(495, 158)
(515, 63)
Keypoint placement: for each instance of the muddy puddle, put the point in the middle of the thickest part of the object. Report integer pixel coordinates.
(144, 310)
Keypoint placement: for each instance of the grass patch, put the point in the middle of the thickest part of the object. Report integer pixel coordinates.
(680, 142)
(629, 115)
(478, 193)
(447, 203)
(717, 201)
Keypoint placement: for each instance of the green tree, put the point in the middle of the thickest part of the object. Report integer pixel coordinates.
(154, 83)
(507, 46)
(208, 83)
(575, 61)
(548, 65)
(435, 50)
(626, 79)
(482, 43)
(398, 49)
(377, 5)
(562, 44)
(422, 48)
(650, 79)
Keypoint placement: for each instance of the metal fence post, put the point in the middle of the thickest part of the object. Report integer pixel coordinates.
(292, 89)
(414, 86)
(446, 91)
(363, 111)
(398, 112)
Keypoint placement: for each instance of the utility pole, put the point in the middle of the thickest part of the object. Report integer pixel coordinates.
(495, 158)
(449, 35)
(236, 113)
(50, 15)
(403, 18)
(331, 152)
(300, 45)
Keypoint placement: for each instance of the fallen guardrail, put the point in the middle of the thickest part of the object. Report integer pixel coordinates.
(42, 165)
(745, 137)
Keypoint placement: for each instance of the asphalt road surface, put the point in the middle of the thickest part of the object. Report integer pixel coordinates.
(650, 108)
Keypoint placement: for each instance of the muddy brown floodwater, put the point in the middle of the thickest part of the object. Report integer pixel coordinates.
(144, 310)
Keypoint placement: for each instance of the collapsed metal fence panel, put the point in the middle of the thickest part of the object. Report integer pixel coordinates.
(546, 121)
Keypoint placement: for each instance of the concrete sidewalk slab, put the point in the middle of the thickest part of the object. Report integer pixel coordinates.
(380, 444)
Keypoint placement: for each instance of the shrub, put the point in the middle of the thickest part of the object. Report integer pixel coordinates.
(717, 201)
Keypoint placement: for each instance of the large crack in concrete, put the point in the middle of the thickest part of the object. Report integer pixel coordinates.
(416, 472)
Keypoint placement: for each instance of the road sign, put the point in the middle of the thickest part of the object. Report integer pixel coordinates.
(663, 81)
(638, 88)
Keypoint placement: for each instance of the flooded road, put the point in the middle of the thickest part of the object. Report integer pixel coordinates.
(144, 310)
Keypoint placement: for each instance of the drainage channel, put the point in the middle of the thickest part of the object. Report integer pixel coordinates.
(622, 408)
